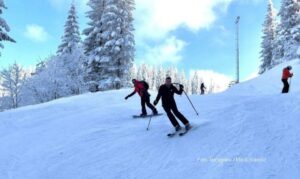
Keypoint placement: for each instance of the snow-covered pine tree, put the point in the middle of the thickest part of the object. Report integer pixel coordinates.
(154, 77)
(117, 53)
(133, 71)
(39, 67)
(93, 44)
(151, 77)
(4, 28)
(173, 73)
(182, 80)
(142, 73)
(73, 71)
(290, 24)
(278, 46)
(13, 79)
(188, 86)
(51, 82)
(93, 31)
(161, 76)
(269, 32)
(71, 38)
(71, 54)
(109, 44)
(195, 83)
(176, 75)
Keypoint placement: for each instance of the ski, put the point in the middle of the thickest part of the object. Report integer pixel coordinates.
(183, 133)
(186, 131)
(172, 134)
(147, 116)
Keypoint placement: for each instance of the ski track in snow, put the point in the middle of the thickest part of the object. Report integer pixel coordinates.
(93, 136)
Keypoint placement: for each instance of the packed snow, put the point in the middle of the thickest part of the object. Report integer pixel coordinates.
(249, 131)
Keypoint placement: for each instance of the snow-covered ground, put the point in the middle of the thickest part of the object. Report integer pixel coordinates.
(250, 131)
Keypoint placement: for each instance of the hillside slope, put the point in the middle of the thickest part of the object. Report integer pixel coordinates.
(249, 131)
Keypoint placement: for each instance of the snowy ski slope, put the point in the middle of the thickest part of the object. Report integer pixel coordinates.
(251, 131)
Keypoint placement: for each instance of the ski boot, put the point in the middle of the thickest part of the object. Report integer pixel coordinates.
(143, 115)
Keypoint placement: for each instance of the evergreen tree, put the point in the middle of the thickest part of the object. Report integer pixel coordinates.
(117, 52)
(73, 71)
(94, 29)
(4, 28)
(173, 73)
(269, 31)
(93, 44)
(109, 44)
(143, 72)
(290, 26)
(278, 46)
(13, 79)
(133, 72)
(70, 53)
(71, 38)
(188, 86)
(152, 77)
(161, 76)
(195, 84)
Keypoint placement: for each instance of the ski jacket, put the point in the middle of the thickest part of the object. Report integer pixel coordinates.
(286, 74)
(140, 89)
(167, 94)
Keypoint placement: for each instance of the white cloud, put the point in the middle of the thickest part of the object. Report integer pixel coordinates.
(36, 33)
(157, 18)
(168, 51)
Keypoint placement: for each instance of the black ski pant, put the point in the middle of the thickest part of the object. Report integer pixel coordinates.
(286, 86)
(172, 110)
(202, 92)
(145, 100)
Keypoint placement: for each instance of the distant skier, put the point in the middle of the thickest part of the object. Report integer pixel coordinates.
(286, 74)
(203, 88)
(166, 92)
(141, 87)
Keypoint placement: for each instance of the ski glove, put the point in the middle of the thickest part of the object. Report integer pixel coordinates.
(155, 103)
(181, 87)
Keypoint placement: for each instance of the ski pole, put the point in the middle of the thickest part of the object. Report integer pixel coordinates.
(191, 103)
(149, 123)
(290, 84)
(188, 99)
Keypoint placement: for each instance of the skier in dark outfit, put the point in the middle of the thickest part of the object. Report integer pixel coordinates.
(145, 97)
(203, 88)
(286, 74)
(166, 92)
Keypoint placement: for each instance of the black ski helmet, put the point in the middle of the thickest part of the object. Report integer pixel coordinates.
(289, 67)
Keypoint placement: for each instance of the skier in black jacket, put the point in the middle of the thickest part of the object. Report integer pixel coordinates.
(203, 88)
(166, 92)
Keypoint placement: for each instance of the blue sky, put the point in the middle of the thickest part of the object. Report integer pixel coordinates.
(190, 34)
